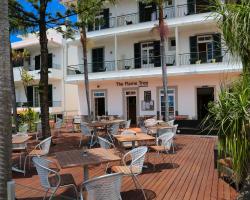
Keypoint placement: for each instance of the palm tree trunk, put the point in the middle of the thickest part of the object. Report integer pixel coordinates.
(13, 95)
(164, 68)
(43, 84)
(5, 103)
(85, 65)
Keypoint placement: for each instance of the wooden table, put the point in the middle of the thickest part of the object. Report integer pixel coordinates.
(134, 138)
(19, 140)
(76, 158)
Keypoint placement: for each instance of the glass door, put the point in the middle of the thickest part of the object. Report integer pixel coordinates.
(171, 102)
(147, 52)
(36, 96)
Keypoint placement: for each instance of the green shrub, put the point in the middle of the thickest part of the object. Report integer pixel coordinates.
(29, 116)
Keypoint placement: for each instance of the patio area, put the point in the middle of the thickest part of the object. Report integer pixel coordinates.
(192, 177)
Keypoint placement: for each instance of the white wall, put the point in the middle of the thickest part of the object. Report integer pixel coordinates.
(185, 93)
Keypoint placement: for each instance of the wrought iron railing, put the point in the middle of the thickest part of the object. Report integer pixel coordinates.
(122, 64)
(25, 104)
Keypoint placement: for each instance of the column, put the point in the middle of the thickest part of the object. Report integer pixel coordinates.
(115, 53)
(177, 59)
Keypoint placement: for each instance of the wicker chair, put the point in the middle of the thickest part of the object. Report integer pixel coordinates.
(166, 141)
(24, 128)
(107, 187)
(135, 168)
(85, 131)
(51, 179)
(58, 126)
(128, 144)
(127, 124)
(42, 149)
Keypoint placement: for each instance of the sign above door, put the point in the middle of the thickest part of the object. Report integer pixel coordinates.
(132, 83)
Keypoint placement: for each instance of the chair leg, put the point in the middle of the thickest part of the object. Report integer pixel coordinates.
(44, 197)
(24, 165)
(80, 142)
(137, 180)
(53, 193)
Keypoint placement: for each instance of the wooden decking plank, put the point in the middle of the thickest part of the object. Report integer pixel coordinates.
(171, 177)
(184, 187)
(179, 183)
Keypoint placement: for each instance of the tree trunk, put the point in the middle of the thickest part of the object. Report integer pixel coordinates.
(163, 62)
(13, 95)
(5, 103)
(85, 66)
(43, 84)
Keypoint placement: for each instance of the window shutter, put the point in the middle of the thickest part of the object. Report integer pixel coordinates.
(30, 96)
(141, 11)
(217, 47)
(157, 54)
(50, 60)
(37, 62)
(105, 18)
(191, 7)
(193, 49)
(50, 96)
(137, 55)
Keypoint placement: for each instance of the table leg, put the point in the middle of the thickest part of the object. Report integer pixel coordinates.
(85, 173)
(133, 144)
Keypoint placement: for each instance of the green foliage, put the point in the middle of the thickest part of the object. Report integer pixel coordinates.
(29, 116)
(234, 21)
(230, 115)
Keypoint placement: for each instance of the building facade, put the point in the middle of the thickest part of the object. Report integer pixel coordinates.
(125, 62)
(57, 88)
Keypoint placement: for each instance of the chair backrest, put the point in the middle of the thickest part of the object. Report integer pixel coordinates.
(45, 145)
(114, 129)
(143, 129)
(171, 123)
(39, 127)
(150, 122)
(104, 143)
(138, 156)
(58, 124)
(24, 128)
(127, 124)
(85, 129)
(43, 171)
(175, 129)
(107, 187)
(128, 132)
(166, 140)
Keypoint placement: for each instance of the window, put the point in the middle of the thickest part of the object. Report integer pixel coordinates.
(130, 93)
(147, 96)
(171, 44)
(99, 94)
(147, 52)
(171, 102)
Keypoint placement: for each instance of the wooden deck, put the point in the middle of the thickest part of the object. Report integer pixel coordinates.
(193, 175)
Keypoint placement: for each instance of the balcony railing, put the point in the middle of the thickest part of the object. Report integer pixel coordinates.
(135, 18)
(205, 57)
(34, 104)
(32, 68)
(123, 64)
(192, 58)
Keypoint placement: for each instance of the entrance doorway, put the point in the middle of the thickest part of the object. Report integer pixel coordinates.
(204, 96)
(131, 107)
(99, 103)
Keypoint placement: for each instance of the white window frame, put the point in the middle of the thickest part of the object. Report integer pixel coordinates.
(169, 94)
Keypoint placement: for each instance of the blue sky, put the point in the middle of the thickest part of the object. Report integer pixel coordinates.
(53, 7)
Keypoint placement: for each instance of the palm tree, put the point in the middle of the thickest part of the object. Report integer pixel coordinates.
(163, 32)
(86, 11)
(5, 103)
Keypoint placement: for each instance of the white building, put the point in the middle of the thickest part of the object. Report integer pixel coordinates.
(124, 60)
(60, 94)
(124, 63)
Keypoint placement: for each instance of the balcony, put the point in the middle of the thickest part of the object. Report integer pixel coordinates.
(122, 65)
(170, 12)
(54, 73)
(35, 105)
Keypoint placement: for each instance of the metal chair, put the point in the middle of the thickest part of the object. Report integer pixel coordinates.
(38, 130)
(51, 179)
(107, 187)
(137, 156)
(85, 131)
(114, 130)
(24, 128)
(128, 144)
(127, 124)
(58, 126)
(42, 149)
(171, 123)
(166, 141)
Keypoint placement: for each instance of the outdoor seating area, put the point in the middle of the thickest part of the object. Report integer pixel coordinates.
(107, 159)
